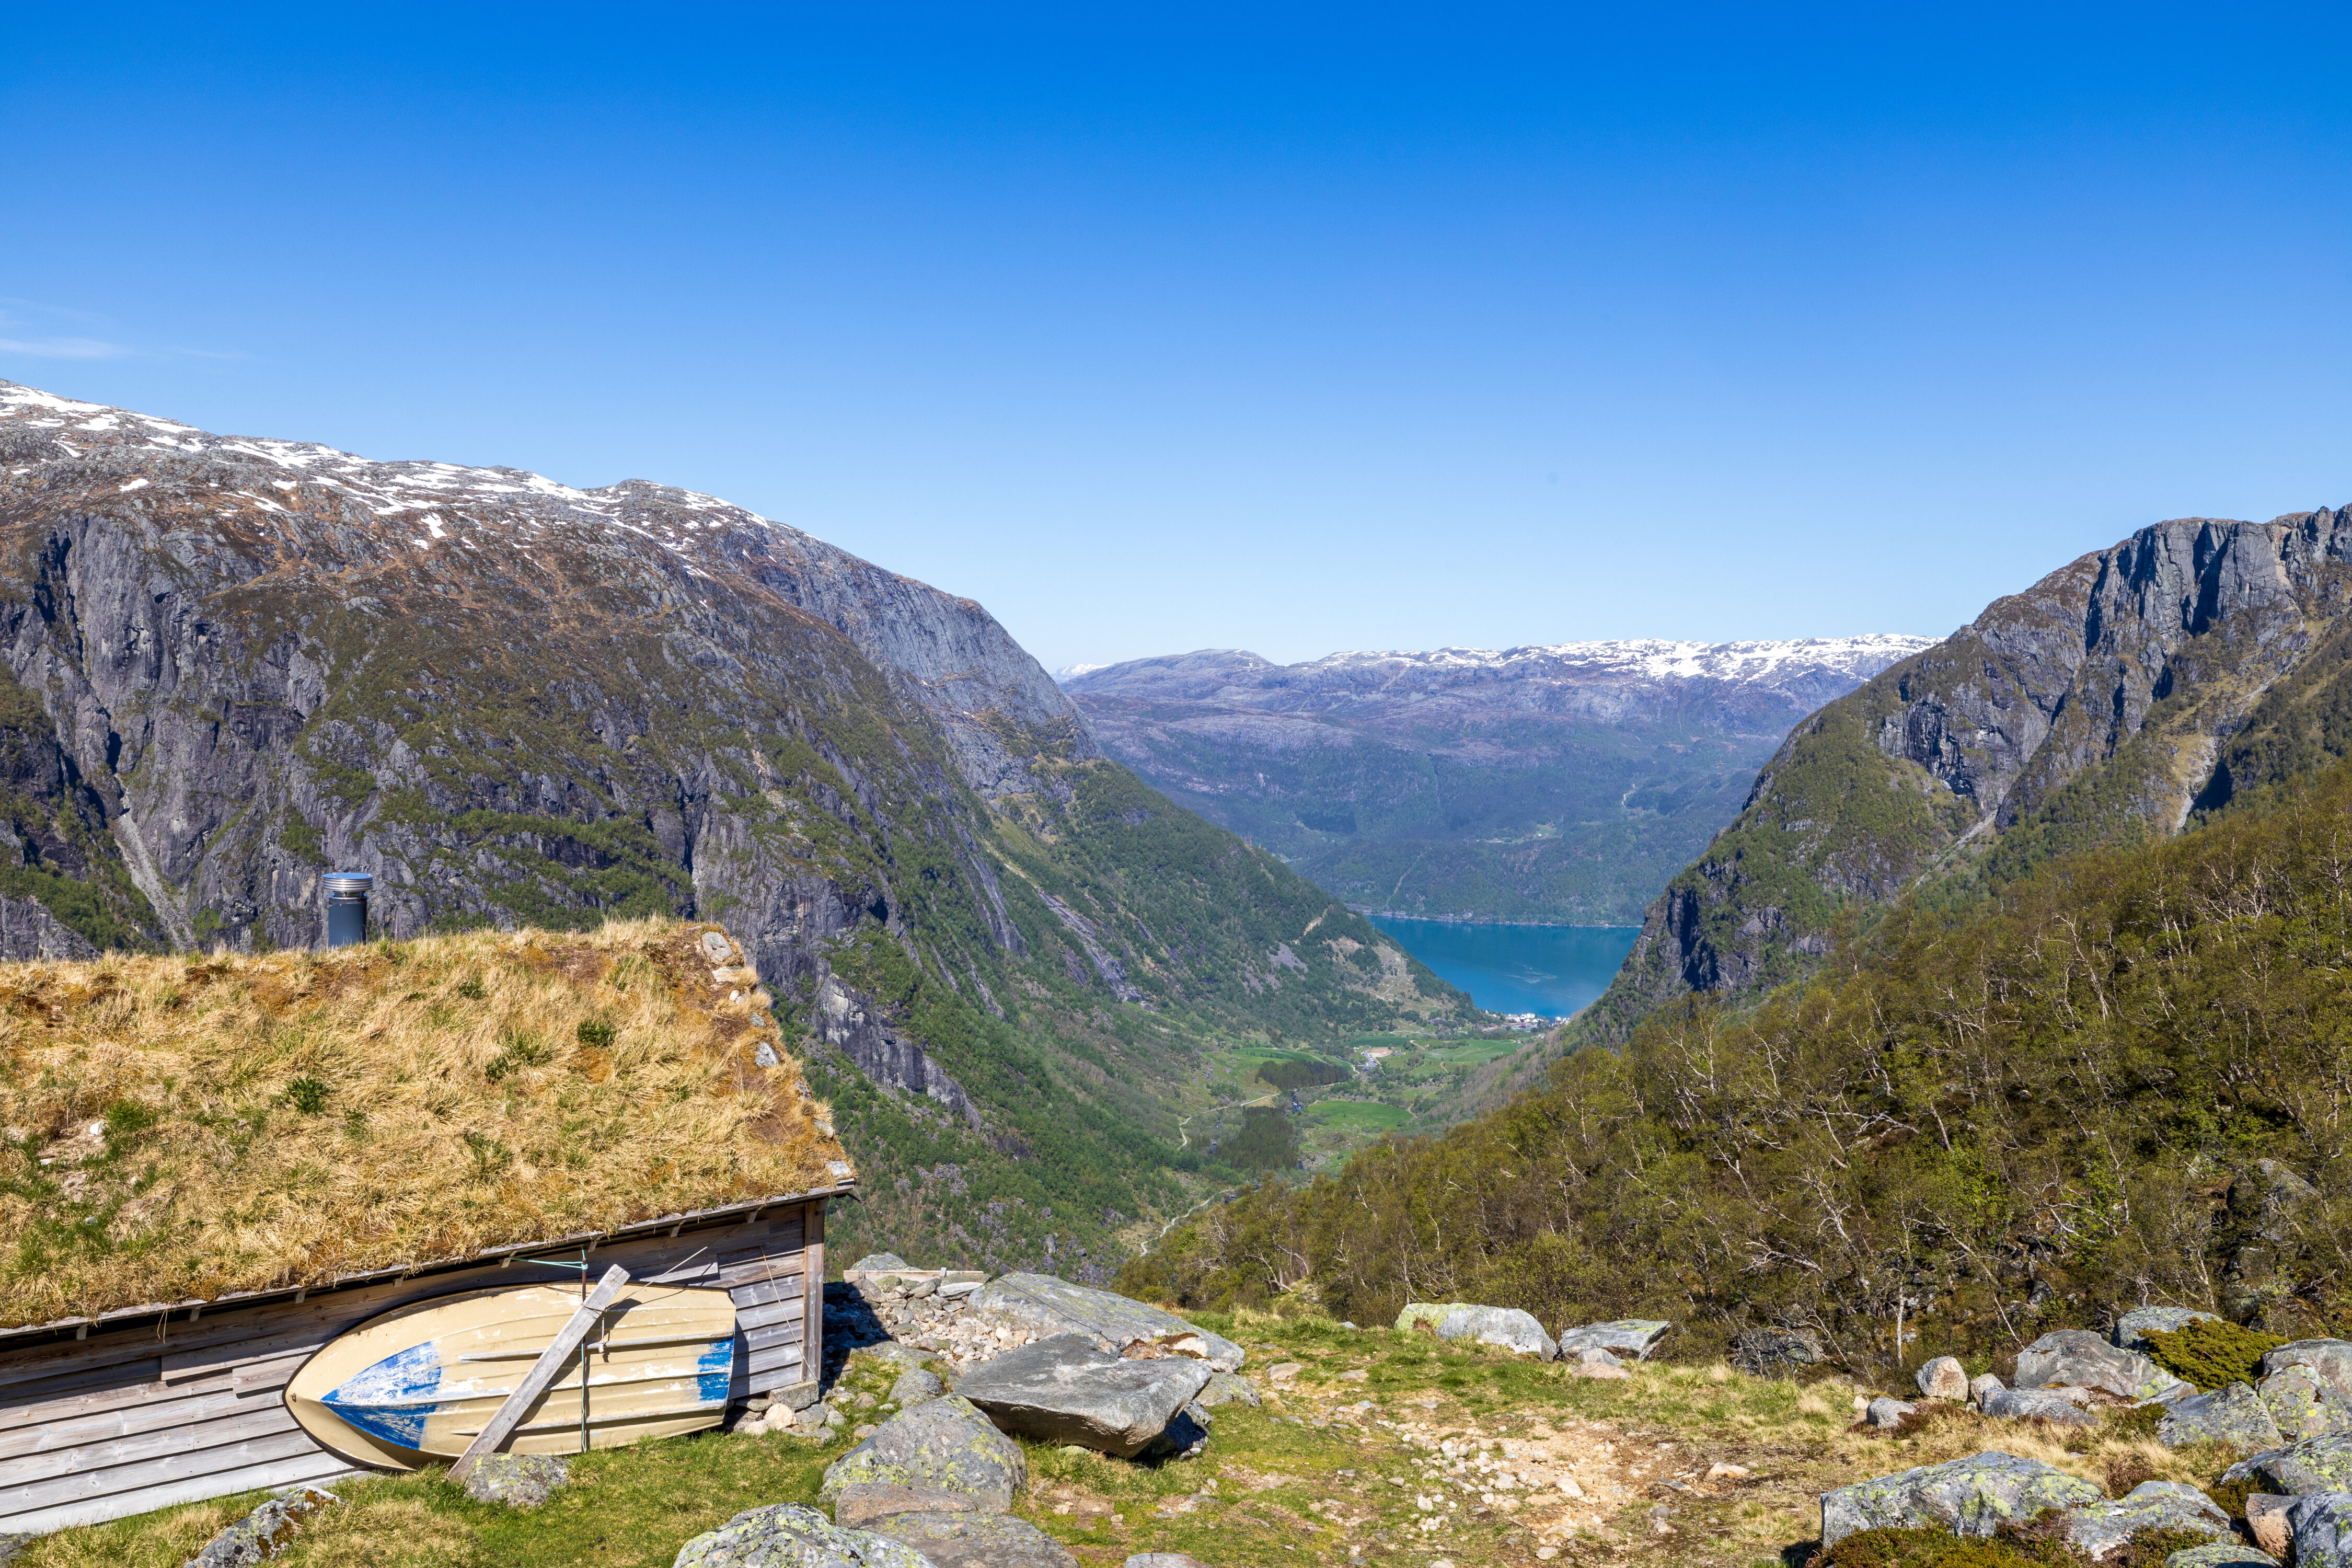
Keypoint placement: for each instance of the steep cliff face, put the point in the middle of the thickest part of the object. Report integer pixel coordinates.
(2109, 700)
(1563, 783)
(227, 665)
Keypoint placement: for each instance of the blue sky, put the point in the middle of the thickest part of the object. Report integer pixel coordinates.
(1291, 329)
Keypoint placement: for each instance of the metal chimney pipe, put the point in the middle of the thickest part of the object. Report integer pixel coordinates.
(347, 907)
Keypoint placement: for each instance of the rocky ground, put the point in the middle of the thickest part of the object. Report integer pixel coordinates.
(1330, 1444)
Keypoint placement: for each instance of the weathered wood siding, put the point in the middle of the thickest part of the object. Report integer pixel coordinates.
(145, 1416)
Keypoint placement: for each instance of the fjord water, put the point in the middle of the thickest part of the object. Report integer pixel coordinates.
(1551, 970)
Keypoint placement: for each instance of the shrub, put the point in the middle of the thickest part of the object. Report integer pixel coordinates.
(2212, 1353)
(2125, 1471)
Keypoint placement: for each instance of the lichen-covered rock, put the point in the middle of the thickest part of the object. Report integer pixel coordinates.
(1046, 1306)
(2086, 1360)
(1636, 1337)
(2035, 1405)
(2322, 1529)
(2235, 1414)
(2220, 1554)
(945, 1443)
(1226, 1388)
(2304, 1404)
(2330, 1360)
(977, 1541)
(2131, 1330)
(1065, 1389)
(1973, 1495)
(2100, 1528)
(265, 1532)
(2324, 1464)
(860, 1503)
(790, 1535)
(518, 1480)
(915, 1386)
(1888, 1413)
(1506, 1327)
(1943, 1378)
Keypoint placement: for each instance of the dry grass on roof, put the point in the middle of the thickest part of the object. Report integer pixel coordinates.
(181, 1128)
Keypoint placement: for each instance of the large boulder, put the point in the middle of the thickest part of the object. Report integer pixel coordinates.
(1047, 1307)
(790, 1535)
(1887, 1415)
(1634, 1336)
(976, 1540)
(2304, 1404)
(2235, 1414)
(1943, 1378)
(2035, 1405)
(2080, 1359)
(1505, 1326)
(2329, 1360)
(1974, 1496)
(2323, 1531)
(2100, 1528)
(1063, 1389)
(2321, 1465)
(944, 1443)
(2131, 1330)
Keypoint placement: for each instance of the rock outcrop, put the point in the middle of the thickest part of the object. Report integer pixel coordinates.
(1045, 1306)
(1974, 1496)
(2112, 698)
(789, 1535)
(1063, 1389)
(945, 1443)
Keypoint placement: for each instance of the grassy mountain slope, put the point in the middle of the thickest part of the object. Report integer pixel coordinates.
(232, 663)
(2119, 1081)
(2105, 705)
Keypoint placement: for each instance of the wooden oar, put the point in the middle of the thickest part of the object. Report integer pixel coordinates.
(544, 1370)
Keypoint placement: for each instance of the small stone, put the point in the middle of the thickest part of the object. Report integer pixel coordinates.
(2036, 1405)
(1598, 1370)
(1982, 1385)
(1284, 1373)
(1594, 1355)
(915, 1387)
(518, 1480)
(864, 1402)
(1722, 1472)
(1888, 1413)
(2267, 1519)
(1943, 1378)
(863, 1430)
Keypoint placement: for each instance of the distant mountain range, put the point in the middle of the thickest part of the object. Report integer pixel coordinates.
(1565, 783)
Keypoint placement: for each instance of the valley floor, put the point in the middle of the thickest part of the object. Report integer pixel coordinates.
(1378, 1449)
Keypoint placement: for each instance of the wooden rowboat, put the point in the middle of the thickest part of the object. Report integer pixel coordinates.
(421, 1380)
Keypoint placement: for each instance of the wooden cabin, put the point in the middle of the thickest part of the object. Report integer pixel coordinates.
(144, 1409)
(422, 1100)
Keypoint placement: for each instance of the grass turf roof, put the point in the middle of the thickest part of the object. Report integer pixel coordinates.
(184, 1128)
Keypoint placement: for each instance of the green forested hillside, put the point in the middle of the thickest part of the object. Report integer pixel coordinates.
(2127, 1078)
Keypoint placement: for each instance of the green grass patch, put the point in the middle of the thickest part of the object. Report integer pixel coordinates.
(1358, 1116)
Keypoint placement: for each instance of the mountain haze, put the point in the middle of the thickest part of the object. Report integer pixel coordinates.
(229, 664)
(1560, 783)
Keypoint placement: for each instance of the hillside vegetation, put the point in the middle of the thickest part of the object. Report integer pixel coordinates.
(2127, 1078)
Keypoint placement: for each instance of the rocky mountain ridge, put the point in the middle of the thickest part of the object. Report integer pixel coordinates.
(2118, 696)
(1554, 783)
(232, 663)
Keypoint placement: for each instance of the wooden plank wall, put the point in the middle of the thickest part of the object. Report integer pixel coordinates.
(143, 1417)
